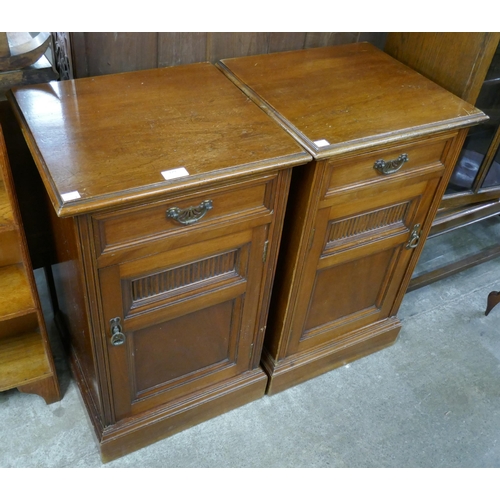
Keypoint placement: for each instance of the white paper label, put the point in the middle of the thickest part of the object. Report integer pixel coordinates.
(321, 143)
(174, 173)
(74, 195)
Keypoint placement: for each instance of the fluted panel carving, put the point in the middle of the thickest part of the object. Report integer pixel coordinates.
(182, 276)
(378, 219)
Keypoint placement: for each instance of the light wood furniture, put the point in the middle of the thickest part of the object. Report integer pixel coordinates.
(467, 64)
(28, 193)
(26, 361)
(168, 189)
(384, 141)
(25, 356)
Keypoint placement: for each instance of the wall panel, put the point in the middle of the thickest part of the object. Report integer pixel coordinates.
(223, 45)
(181, 48)
(279, 42)
(114, 52)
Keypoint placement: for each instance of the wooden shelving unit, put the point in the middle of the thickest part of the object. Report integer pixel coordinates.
(25, 356)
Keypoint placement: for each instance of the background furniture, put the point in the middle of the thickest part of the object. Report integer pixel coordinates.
(168, 189)
(26, 360)
(23, 60)
(25, 356)
(467, 64)
(492, 301)
(25, 68)
(384, 141)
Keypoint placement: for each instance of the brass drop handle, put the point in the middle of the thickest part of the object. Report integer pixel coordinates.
(391, 166)
(117, 335)
(186, 216)
(414, 239)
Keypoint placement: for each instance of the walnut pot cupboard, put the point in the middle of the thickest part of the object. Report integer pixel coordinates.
(384, 141)
(168, 189)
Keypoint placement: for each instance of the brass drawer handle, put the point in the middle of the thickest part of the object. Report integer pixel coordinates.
(190, 215)
(117, 335)
(414, 238)
(391, 166)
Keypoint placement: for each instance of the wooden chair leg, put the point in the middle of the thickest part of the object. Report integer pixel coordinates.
(493, 300)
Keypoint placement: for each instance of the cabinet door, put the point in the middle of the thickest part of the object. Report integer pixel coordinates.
(361, 245)
(188, 317)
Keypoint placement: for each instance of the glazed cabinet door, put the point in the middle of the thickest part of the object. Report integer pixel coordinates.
(362, 240)
(182, 320)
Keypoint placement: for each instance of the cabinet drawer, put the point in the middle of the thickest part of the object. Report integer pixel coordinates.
(361, 168)
(178, 215)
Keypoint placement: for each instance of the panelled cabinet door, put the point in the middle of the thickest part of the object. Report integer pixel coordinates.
(183, 320)
(360, 249)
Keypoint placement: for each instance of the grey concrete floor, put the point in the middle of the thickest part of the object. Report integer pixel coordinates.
(431, 400)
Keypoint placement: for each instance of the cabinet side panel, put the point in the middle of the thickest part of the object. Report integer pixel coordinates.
(29, 190)
(72, 309)
(293, 249)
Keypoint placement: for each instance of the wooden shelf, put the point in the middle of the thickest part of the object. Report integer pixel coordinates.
(15, 292)
(23, 360)
(456, 217)
(6, 215)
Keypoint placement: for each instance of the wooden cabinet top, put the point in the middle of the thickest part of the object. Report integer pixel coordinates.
(351, 96)
(105, 141)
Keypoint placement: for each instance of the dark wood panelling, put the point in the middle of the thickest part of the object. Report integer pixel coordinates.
(118, 52)
(79, 54)
(279, 42)
(376, 38)
(322, 39)
(181, 48)
(222, 45)
(103, 53)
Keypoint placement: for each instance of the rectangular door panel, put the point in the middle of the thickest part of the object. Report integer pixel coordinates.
(344, 290)
(164, 353)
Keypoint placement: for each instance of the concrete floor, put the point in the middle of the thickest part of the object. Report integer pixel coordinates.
(431, 400)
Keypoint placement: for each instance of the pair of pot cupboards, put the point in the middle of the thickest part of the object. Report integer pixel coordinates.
(226, 232)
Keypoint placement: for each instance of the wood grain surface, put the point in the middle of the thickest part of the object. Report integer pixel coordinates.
(111, 137)
(352, 96)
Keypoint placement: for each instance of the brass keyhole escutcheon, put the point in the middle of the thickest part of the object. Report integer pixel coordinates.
(414, 239)
(117, 335)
